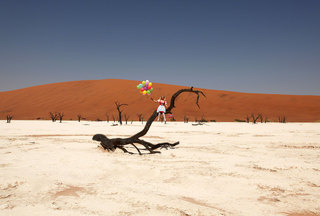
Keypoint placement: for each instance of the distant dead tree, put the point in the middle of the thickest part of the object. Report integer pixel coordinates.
(255, 118)
(113, 118)
(118, 105)
(203, 119)
(266, 119)
(185, 119)
(107, 116)
(126, 117)
(247, 118)
(282, 119)
(53, 116)
(261, 118)
(114, 143)
(60, 115)
(140, 117)
(9, 118)
(79, 117)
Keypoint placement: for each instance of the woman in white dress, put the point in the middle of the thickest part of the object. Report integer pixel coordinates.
(162, 107)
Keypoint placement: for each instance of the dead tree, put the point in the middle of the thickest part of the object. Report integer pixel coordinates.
(79, 117)
(247, 118)
(118, 105)
(266, 119)
(140, 117)
(107, 117)
(60, 115)
(113, 118)
(282, 119)
(185, 119)
(261, 118)
(126, 117)
(255, 118)
(9, 118)
(53, 116)
(113, 144)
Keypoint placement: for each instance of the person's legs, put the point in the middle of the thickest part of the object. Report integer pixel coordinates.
(164, 117)
(158, 116)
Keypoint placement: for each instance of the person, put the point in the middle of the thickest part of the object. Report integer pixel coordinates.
(162, 107)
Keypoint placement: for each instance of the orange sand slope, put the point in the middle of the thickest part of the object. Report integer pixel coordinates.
(94, 99)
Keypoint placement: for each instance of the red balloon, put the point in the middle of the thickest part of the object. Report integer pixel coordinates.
(149, 87)
(142, 89)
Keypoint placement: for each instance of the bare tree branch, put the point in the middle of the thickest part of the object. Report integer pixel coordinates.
(112, 144)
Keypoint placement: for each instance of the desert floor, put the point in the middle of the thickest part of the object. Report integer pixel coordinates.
(49, 168)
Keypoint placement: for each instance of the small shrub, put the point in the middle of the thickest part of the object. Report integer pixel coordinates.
(203, 120)
(239, 120)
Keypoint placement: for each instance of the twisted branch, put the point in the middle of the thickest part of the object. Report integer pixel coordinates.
(112, 144)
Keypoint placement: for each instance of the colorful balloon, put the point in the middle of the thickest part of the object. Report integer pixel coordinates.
(145, 87)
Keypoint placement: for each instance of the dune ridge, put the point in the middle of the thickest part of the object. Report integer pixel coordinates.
(94, 99)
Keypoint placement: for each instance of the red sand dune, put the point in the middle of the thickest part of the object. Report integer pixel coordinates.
(94, 98)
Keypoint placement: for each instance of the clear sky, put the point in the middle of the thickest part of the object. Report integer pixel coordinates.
(270, 46)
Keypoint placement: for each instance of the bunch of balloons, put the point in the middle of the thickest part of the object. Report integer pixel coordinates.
(145, 87)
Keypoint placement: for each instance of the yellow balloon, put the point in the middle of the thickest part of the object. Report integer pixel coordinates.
(150, 84)
(144, 92)
(143, 83)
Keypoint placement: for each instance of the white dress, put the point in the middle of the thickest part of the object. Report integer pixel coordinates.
(161, 107)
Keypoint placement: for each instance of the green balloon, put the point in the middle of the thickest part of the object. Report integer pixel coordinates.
(148, 92)
(151, 89)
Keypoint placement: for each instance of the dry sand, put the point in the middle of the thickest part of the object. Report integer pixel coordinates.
(218, 169)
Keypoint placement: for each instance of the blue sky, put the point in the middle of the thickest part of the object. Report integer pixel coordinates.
(246, 46)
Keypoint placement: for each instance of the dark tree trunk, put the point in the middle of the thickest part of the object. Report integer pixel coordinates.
(107, 117)
(60, 115)
(185, 119)
(9, 118)
(126, 117)
(255, 118)
(118, 105)
(247, 119)
(261, 118)
(53, 116)
(112, 144)
(282, 119)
